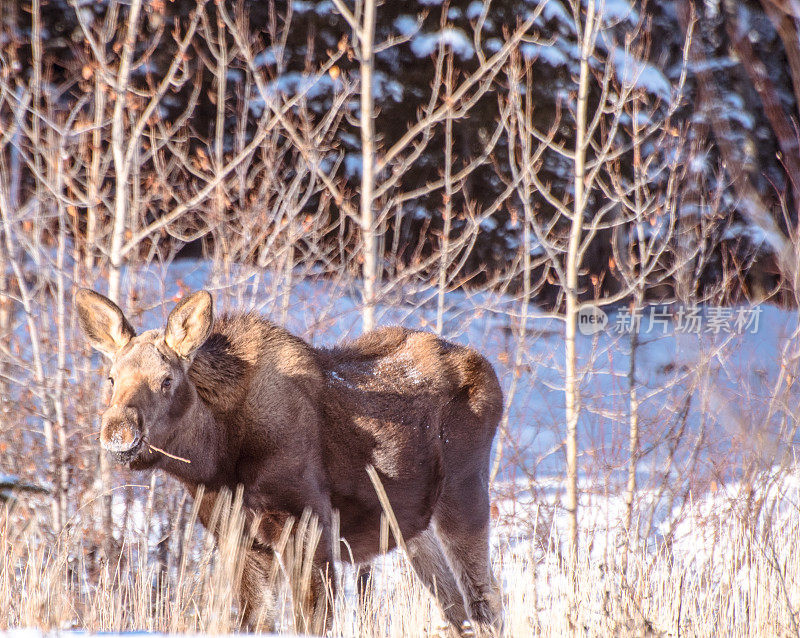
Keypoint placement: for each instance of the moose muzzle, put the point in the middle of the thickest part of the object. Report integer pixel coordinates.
(121, 432)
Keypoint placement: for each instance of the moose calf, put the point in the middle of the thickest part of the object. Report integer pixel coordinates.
(248, 403)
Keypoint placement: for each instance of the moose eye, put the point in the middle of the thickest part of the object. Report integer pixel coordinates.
(166, 383)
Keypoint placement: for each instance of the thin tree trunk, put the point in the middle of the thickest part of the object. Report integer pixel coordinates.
(633, 439)
(61, 471)
(220, 240)
(448, 204)
(571, 389)
(368, 226)
(48, 425)
(6, 300)
(638, 299)
(288, 270)
(36, 98)
(121, 163)
(30, 307)
(5, 316)
(94, 174)
(527, 289)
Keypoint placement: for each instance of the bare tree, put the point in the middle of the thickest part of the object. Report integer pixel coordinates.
(382, 169)
(606, 87)
(362, 21)
(587, 34)
(646, 245)
(126, 134)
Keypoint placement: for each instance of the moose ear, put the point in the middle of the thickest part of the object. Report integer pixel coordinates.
(102, 322)
(189, 324)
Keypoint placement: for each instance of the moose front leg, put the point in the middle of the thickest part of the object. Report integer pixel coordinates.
(257, 594)
(297, 551)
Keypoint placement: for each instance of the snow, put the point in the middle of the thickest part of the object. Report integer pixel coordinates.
(617, 10)
(757, 236)
(493, 45)
(746, 120)
(383, 85)
(612, 12)
(401, 363)
(698, 163)
(324, 312)
(295, 82)
(712, 64)
(324, 8)
(426, 44)
(634, 72)
(406, 25)
(474, 10)
(7, 484)
(337, 378)
(630, 71)
(352, 164)
(709, 525)
(554, 10)
(265, 58)
(550, 54)
(563, 51)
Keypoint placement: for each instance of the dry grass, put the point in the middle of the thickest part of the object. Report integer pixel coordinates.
(741, 583)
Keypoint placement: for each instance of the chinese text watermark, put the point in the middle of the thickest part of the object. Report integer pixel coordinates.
(688, 320)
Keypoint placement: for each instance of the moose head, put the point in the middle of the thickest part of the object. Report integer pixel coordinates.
(150, 389)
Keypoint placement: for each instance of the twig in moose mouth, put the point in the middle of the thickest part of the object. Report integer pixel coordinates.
(165, 453)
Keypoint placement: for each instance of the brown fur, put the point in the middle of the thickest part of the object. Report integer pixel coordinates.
(248, 403)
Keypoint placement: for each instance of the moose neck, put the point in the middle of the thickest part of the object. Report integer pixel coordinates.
(202, 440)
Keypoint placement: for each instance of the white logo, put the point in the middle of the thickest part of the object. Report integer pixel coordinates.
(591, 320)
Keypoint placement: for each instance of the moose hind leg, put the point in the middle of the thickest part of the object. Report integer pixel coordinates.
(462, 525)
(431, 567)
(323, 593)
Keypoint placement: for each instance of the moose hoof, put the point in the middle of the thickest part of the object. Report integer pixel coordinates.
(485, 621)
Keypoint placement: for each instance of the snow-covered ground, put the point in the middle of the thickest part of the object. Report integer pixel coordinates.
(717, 431)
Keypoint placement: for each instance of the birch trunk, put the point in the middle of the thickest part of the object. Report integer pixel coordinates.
(94, 187)
(448, 206)
(571, 389)
(638, 300)
(60, 470)
(121, 161)
(368, 226)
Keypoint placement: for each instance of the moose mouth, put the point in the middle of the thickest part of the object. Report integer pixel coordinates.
(130, 455)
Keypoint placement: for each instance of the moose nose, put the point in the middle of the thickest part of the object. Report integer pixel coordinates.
(120, 429)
